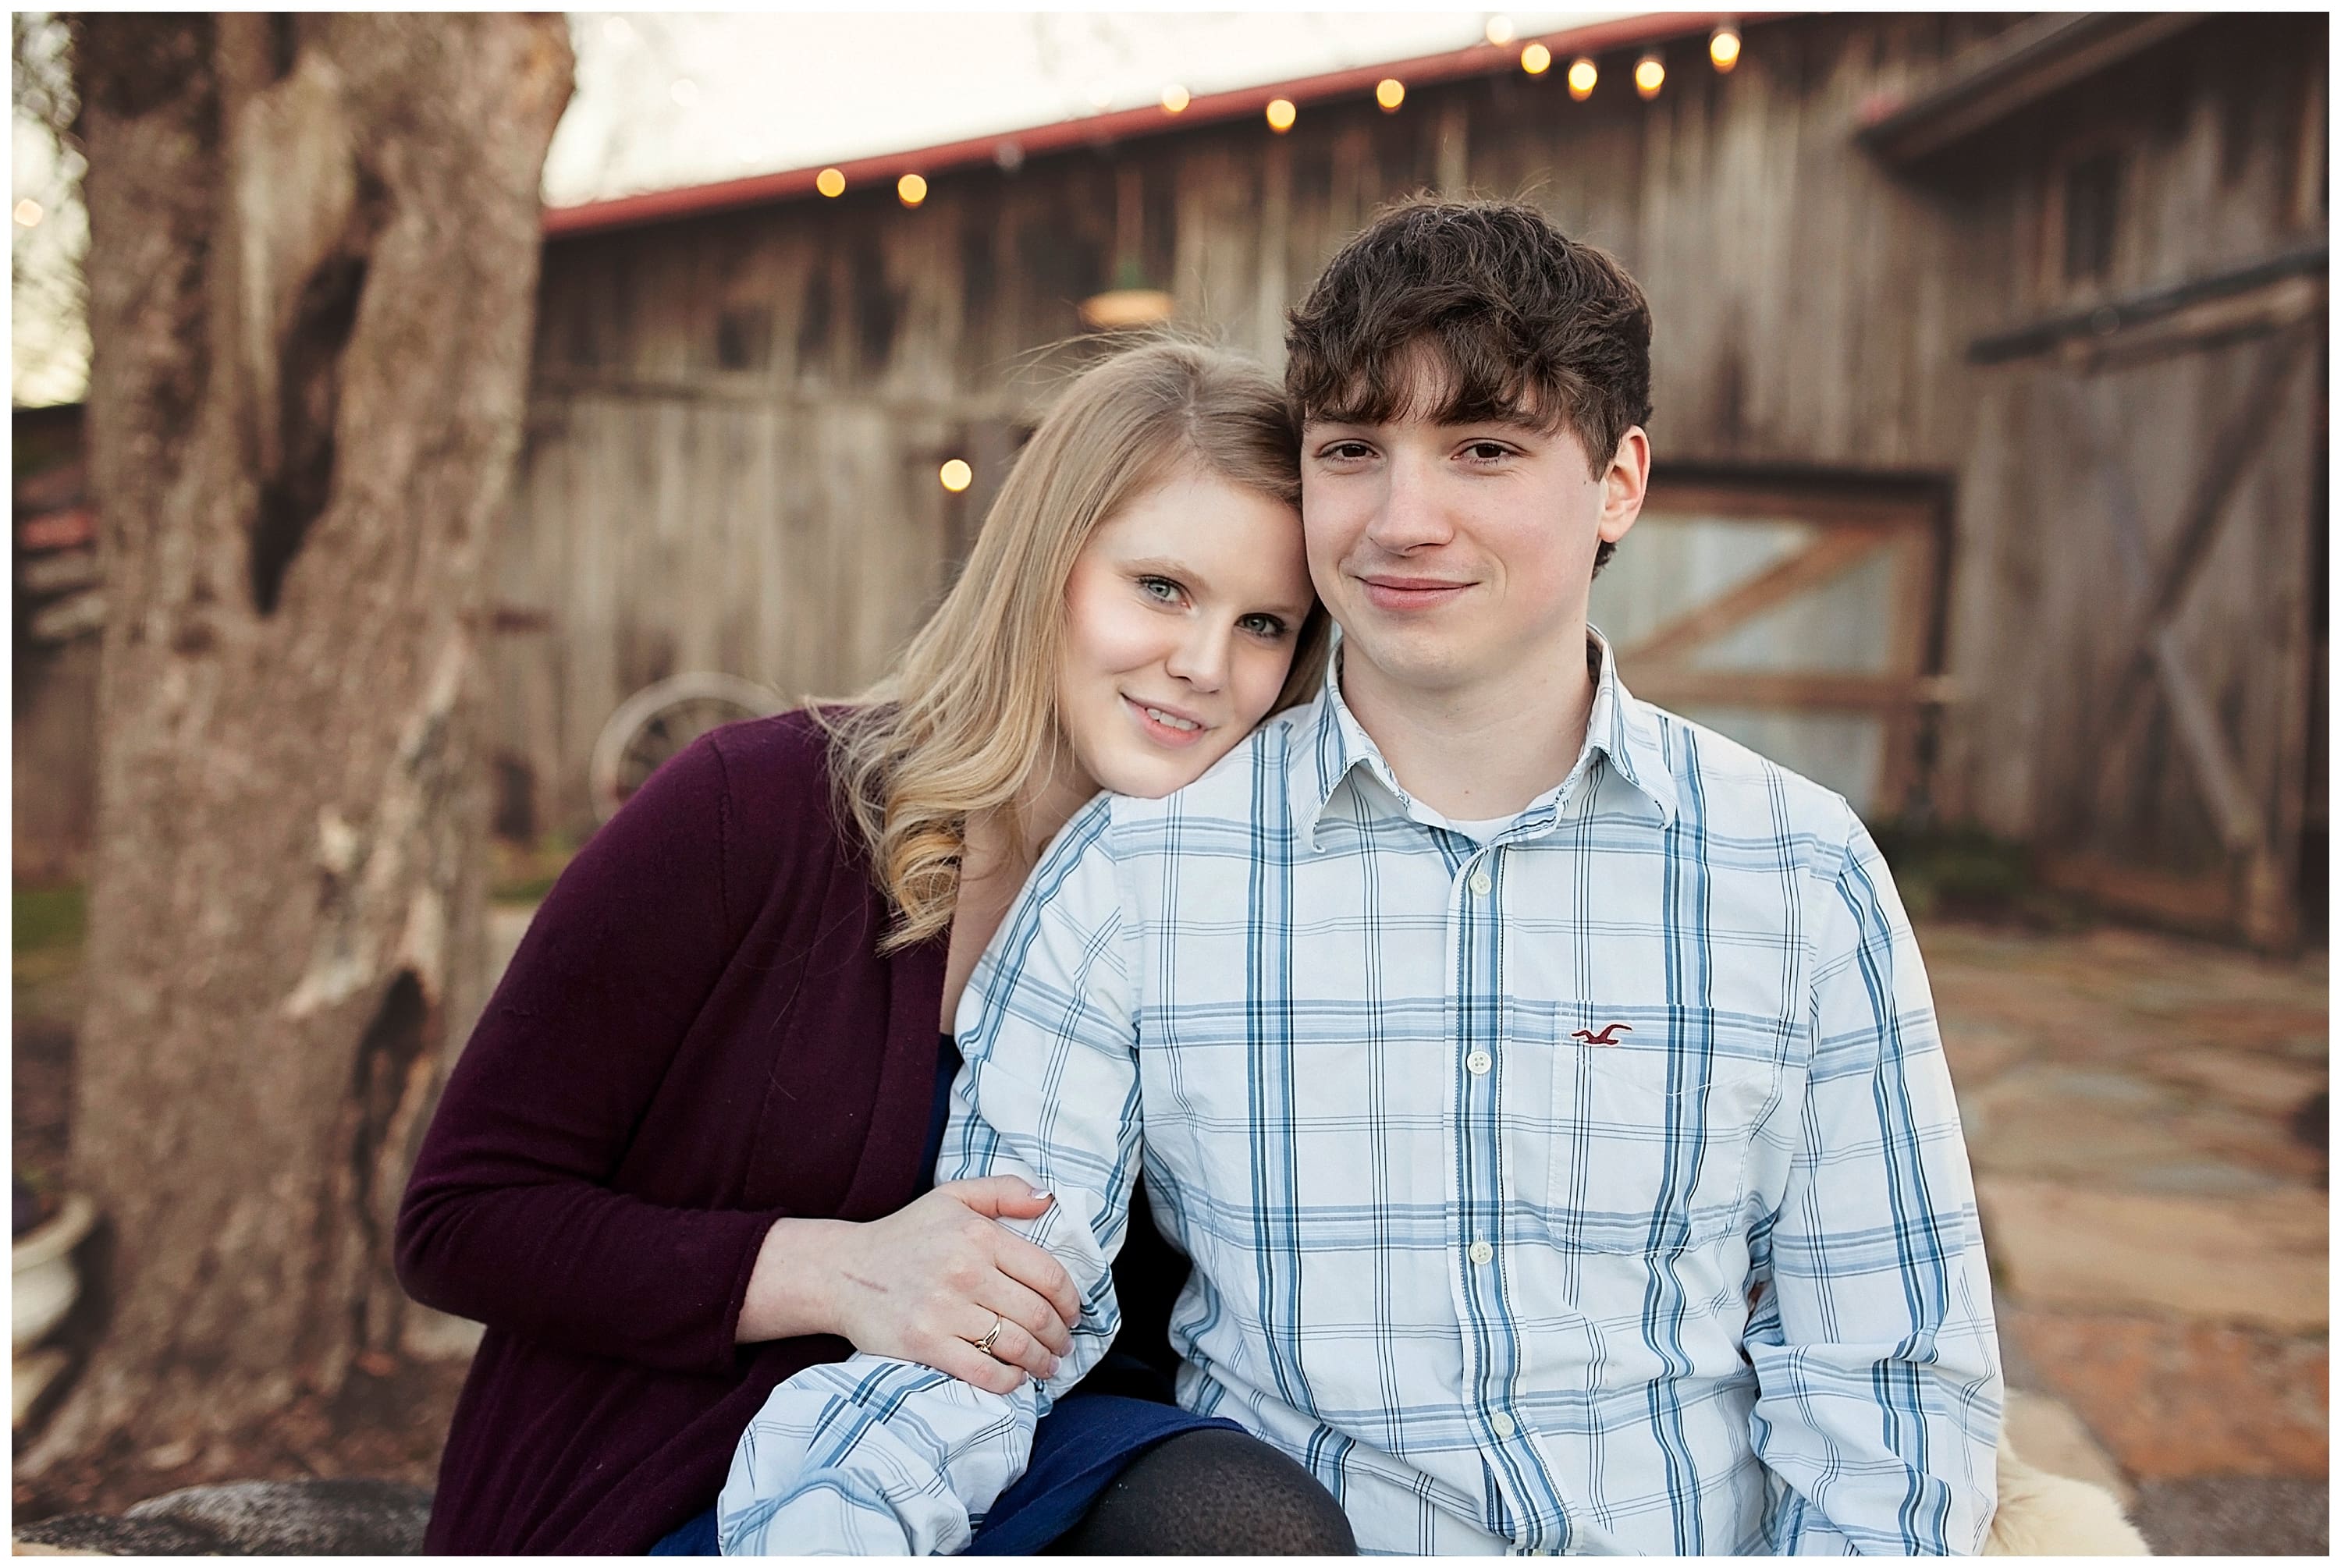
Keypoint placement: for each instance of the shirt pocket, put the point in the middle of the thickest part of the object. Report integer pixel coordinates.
(1653, 1113)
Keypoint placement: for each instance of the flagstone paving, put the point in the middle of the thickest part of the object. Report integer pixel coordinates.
(2157, 1222)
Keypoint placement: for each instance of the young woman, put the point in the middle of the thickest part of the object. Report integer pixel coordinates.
(684, 1152)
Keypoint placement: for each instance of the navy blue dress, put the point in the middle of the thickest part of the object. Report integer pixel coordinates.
(1124, 1407)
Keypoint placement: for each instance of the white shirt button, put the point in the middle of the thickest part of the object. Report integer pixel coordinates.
(1504, 1424)
(1478, 1061)
(1481, 882)
(1481, 1252)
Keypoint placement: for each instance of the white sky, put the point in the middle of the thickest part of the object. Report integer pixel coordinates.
(668, 98)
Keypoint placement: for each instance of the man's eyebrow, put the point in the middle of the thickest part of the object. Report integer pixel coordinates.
(1522, 419)
(1517, 419)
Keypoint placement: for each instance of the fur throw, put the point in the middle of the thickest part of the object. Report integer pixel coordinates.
(2045, 1515)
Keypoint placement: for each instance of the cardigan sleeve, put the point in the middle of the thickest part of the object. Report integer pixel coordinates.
(509, 1218)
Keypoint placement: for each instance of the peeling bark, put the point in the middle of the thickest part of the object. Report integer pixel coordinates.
(312, 266)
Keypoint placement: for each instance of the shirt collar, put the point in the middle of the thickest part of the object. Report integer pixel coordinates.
(1334, 747)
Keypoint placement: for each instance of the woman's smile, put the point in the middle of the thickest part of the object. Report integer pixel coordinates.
(1164, 725)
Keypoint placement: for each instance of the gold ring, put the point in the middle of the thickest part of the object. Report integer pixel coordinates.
(991, 1338)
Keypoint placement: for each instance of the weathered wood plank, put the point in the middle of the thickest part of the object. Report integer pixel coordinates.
(1830, 553)
(1675, 685)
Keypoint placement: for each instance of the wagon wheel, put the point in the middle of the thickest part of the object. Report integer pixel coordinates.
(660, 720)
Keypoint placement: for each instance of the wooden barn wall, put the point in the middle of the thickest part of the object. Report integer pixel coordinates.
(2221, 140)
(738, 418)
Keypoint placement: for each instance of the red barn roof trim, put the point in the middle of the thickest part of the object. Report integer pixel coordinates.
(1094, 130)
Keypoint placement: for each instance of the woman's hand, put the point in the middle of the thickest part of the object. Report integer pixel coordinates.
(923, 1285)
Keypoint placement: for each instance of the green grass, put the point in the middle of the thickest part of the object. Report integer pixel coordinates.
(48, 918)
(524, 874)
(45, 962)
(1966, 872)
(527, 890)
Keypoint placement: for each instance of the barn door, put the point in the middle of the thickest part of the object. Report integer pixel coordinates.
(1798, 616)
(2190, 806)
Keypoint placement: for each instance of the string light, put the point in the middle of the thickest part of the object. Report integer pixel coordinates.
(830, 182)
(1723, 48)
(956, 475)
(1649, 76)
(1175, 99)
(1281, 114)
(1583, 75)
(1499, 31)
(911, 188)
(1100, 95)
(1390, 93)
(1535, 59)
(28, 214)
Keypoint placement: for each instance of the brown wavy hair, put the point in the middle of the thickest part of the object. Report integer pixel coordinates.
(967, 720)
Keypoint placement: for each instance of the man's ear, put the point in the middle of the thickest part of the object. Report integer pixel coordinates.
(1623, 486)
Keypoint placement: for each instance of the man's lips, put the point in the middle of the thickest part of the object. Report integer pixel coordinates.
(1388, 592)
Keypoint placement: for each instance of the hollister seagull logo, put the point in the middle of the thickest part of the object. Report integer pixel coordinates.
(1608, 1037)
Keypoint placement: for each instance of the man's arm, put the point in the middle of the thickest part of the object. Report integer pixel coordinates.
(1876, 1358)
(883, 1456)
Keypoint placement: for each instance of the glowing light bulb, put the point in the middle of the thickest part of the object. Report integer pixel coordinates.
(1723, 48)
(1281, 114)
(1581, 78)
(1499, 31)
(1535, 59)
(1175, 99)
(28, 214)
(911, 188)
(1649, 76)
(1390, 93)
(956, 475)
(830, 182)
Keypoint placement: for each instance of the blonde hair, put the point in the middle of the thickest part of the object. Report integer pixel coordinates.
(968, 718)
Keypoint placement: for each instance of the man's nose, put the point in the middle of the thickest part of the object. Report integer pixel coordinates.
(1410, 516)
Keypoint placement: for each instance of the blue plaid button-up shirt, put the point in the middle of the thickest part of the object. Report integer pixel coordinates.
(1595, 1188)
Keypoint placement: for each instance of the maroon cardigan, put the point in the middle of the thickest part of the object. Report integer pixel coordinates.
(697, 1037)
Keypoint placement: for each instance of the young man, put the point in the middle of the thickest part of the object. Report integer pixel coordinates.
(1546, 1089)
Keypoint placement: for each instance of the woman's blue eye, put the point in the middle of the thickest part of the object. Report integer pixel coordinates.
(1267, 626)
(1160, 588)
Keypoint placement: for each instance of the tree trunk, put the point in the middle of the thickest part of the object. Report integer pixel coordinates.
(312, 269)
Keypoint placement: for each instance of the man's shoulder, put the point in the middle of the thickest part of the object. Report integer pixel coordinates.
(1230, 790)
(1126, 841)
(1727, 788)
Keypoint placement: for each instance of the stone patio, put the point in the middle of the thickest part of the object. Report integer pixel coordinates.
(2157, 1227)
